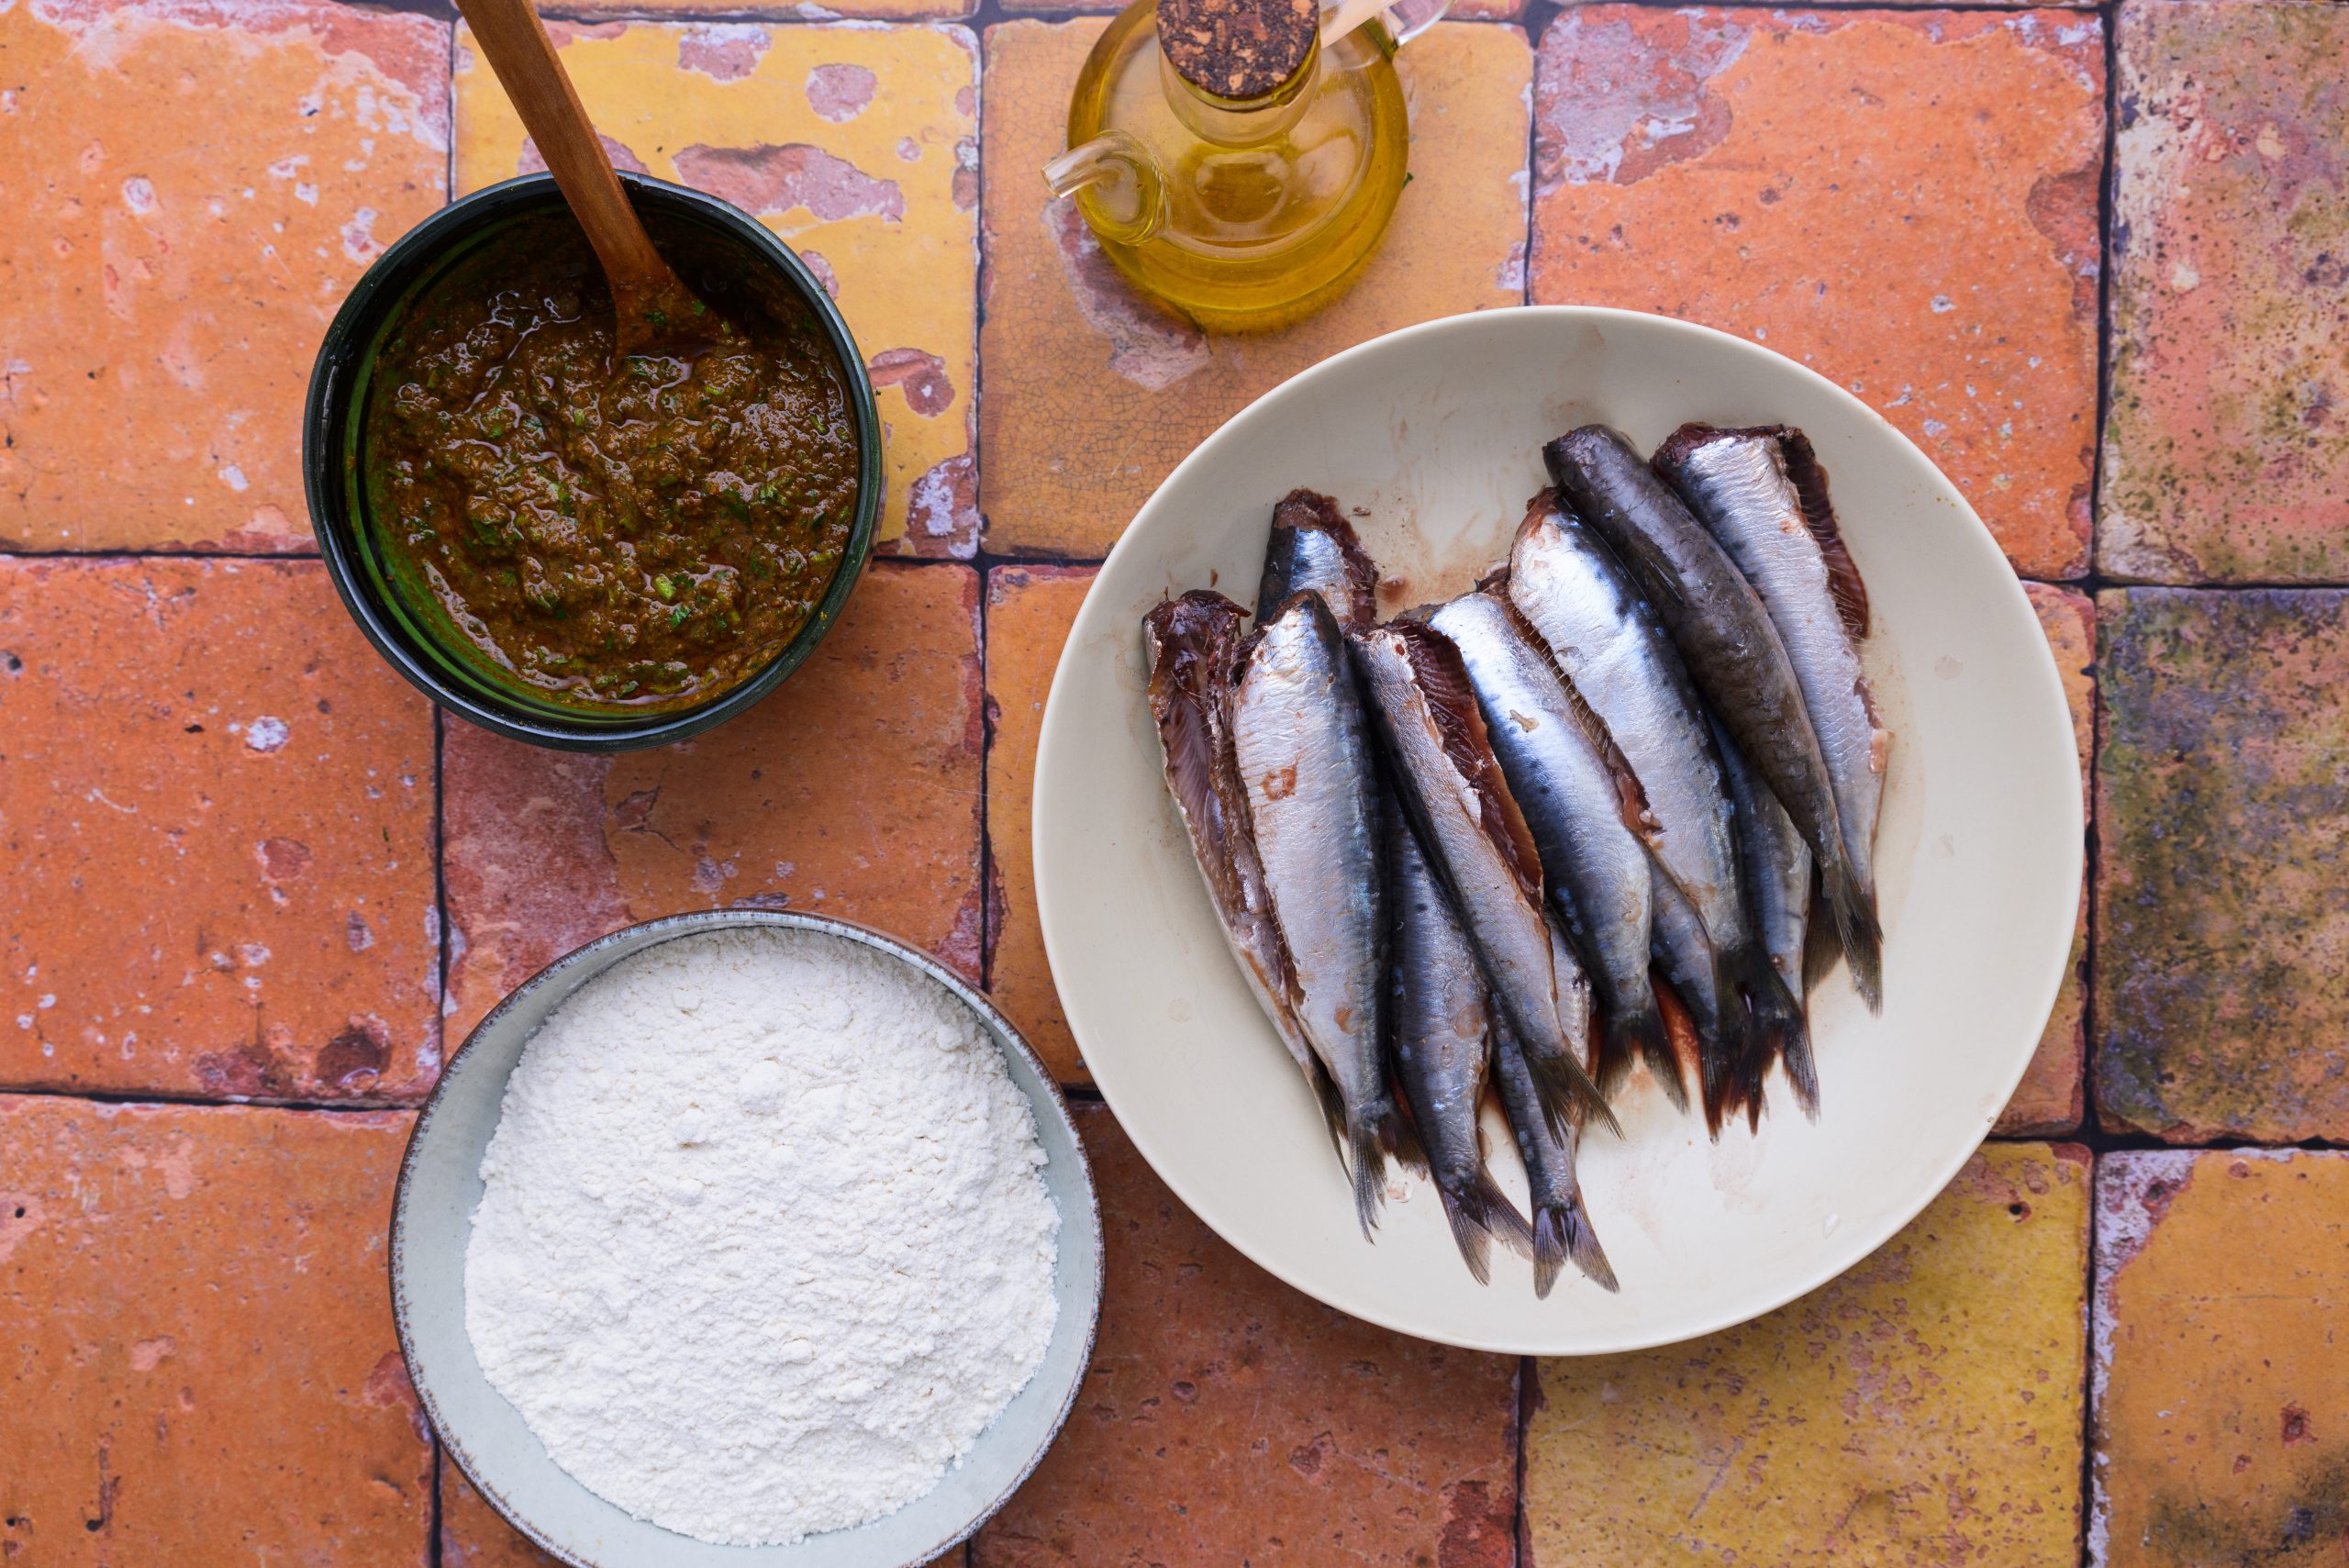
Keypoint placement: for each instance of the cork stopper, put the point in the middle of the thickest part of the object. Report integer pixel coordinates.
(1237, 49)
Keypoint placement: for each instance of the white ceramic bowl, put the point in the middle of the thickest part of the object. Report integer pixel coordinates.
(440, 1187)
(1437, 430)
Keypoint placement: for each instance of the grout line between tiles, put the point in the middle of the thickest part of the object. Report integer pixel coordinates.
(2108, 194)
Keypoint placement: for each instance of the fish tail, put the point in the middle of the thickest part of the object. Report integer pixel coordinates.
(1478, 1211)
(1852, 903)
(1562, 1231)
(1567, 1094)
(1408, 1146)
(1333, 1108)
(1775, 1030)
(1720, 1052)
(1637, 1030)
(1375, 1134)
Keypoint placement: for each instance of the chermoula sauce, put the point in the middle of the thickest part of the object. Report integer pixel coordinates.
(634, 532)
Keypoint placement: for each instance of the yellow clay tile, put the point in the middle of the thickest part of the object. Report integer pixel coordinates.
(2222, 1361)
(1925, 1409)
(858, 145)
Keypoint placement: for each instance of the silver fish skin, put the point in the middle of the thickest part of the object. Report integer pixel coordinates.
(1302, 743)
(1442, 1047)
(1451, 789)
(1578, 600)
(1733, 651)
(1589, 822)
(1191, 643)
(1313, 546)
(1775, 864)
(1561, 1227)
(1742, 486)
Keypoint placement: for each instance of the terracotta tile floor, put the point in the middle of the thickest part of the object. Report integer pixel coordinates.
(247, 865)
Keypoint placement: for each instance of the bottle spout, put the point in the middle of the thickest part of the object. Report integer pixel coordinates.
(1403, 19)
(1117, 184)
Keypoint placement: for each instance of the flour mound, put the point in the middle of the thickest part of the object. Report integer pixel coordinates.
(764, 1245)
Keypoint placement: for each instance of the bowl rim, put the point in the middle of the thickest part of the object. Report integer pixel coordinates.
(1006, 1035)
(1978, 540)
(328, 410)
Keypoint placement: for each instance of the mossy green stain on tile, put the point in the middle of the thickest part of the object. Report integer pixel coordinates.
(2222, 793)
(2226, 442)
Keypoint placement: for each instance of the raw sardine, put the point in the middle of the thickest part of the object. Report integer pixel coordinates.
(1451, 788)
(1442, 1047)
(1775, 865)
(1303, 746)
(1313, 546)
(1192, 644)
(1778, 529)
(1733, 651)
(1579, 600)
(1561, 1224)
(1589, 821)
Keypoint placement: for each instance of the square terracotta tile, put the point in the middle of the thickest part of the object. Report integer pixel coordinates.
(1923, 1409)
(2049, 1098)
(853, 790)
(200, 1364)
(1226, 1419)
(2221, 938)
(2221, 1381)
(1093, 394)
(1029, 609)
(2226, 450)
(858, 144)
(1904, 201)
(217, 807)
(191, 188)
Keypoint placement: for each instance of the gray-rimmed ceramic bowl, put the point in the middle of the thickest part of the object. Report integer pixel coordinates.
(440, 1187)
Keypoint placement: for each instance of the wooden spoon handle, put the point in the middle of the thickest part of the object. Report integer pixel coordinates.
(519, 51)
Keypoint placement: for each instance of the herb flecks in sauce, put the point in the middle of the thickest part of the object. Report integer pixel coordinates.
(638, 532)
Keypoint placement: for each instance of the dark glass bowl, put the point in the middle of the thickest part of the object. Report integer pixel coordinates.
(416, 639)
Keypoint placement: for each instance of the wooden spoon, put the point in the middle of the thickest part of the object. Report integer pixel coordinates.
(657, 314)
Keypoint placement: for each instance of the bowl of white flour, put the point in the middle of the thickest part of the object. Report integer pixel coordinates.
(746, 1239)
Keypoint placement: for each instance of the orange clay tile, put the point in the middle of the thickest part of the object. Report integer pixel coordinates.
(1029, 612)
(1920, 1411)
(217, 810)
(2049, 1098)
(1228, 1419)
(201, 1367)
(2227, 446)
(858, 144)
(2222, 939)
(2222, 1368)
(1094, 394)
(1904, 201)
(853, 790)
(192, 186)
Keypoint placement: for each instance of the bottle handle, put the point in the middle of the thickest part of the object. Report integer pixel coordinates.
(1403, 19)
(1116, 183)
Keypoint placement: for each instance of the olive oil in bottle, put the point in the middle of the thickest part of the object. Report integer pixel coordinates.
(1239, 158)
